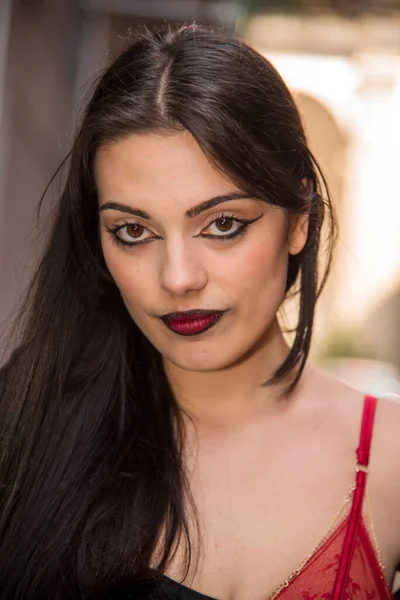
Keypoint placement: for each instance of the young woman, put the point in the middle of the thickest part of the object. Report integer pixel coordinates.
(159, 437)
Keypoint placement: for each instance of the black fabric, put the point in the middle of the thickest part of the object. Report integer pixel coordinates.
(160, 589)
(184, 593)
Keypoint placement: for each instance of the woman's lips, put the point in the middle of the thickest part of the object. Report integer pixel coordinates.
(194, 324)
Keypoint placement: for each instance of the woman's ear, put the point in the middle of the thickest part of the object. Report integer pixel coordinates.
(298, 232)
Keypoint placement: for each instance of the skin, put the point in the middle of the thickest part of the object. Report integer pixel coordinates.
(257, 525)
(183, 271)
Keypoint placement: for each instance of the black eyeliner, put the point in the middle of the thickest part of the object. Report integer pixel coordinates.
(241, 231)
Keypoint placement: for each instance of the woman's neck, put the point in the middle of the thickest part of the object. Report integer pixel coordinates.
(229, 396)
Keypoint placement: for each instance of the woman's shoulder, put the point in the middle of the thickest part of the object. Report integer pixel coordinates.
(340, 402)
(347, 404)
(346, 401)
(383, 483)
(385, 450)
(344, 406)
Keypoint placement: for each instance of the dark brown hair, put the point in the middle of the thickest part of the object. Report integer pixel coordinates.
(90, 460)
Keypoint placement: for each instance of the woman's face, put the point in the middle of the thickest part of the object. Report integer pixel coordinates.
(173, 241)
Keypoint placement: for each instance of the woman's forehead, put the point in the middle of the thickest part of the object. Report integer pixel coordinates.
(153, 168)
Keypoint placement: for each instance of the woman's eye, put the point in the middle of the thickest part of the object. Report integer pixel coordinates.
(224, 225)
(131, 233)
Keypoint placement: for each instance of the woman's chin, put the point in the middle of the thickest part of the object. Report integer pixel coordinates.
(198, 362)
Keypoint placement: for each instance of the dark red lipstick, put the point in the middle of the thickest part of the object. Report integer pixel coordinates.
(192, 322)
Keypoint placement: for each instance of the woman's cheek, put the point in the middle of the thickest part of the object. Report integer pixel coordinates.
(263, 261)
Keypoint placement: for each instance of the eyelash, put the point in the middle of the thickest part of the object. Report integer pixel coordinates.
(240, 231)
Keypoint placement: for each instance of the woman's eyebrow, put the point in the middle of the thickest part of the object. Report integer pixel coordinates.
(190, 213)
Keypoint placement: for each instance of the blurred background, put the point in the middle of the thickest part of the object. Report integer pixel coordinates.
(341, 59)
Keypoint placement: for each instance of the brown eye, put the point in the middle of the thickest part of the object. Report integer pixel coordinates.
(224, 224)
(134, 230)
(131, 234)
(225, 227)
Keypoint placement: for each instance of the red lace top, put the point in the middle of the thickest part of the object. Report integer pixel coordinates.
(344, 567)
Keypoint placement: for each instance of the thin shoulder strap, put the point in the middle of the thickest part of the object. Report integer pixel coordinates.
(367, 426)
(363, 452)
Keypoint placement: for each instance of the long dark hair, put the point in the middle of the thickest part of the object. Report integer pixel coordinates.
(91, 435)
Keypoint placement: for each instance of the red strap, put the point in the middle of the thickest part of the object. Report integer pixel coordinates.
(349, 543)
(366, 431)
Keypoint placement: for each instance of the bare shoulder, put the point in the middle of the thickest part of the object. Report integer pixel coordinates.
(342, 402)
(345, 409)
(347, 405)
(388, 418)
(347, 402)
(385, 454)
(344, 406)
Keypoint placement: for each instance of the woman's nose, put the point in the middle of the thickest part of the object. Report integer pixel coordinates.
(182, 270)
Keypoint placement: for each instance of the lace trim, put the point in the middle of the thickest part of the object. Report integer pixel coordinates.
(330, 530)
(372, 532)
